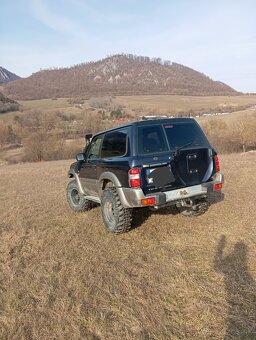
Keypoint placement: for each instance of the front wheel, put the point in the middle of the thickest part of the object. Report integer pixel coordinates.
(76, 201)
(116, 218)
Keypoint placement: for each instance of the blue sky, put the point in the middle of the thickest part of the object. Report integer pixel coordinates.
(215, 37)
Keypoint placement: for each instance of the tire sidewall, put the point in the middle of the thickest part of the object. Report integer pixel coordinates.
(106, 197)
(81, 206)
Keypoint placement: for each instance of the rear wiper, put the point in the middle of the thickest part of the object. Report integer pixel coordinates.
(176, 151)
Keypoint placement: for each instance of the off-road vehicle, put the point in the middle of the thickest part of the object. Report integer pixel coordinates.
(154, 163)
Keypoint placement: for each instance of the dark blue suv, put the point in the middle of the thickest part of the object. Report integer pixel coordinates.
(155, 163)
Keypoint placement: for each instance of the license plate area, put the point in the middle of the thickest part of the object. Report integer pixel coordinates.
(185, 192)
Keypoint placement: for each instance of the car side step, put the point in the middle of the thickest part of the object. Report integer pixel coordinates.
(92, 198)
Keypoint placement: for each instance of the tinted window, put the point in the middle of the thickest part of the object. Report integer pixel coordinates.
(151, 139)
(114, 144)
(94, 149)
(179, 134)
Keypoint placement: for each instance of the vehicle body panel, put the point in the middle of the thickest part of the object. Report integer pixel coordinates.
(164, 168)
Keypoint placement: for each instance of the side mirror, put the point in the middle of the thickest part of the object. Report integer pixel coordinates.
(80, 156)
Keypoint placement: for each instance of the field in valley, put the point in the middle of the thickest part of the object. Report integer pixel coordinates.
(72, 120)
(136, 105)
(170, 103)
(63, 276)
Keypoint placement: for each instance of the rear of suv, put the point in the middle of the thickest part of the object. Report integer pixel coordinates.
(156, 163)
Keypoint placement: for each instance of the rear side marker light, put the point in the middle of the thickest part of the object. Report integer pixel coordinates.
(217, 163)
(217, 186)
(148, 201)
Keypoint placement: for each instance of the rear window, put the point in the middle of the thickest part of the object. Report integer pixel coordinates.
(114, 144)
(151, 139)
(179, 134)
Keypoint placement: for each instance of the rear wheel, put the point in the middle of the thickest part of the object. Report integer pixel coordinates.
(197, 209)
(76, 201)
(116, 218)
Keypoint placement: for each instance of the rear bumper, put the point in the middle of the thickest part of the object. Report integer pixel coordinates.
(131, 198)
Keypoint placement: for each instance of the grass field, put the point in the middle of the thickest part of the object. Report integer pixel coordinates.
(170, 103)
(143, 104)
(44, 105)
(63, 276)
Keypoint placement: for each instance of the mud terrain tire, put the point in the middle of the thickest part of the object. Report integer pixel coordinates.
(76, 201)
(116, 218)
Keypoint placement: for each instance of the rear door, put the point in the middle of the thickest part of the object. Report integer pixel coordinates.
(173, 156)
(192, 153)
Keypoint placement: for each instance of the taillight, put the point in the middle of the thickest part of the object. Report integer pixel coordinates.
(217, 163)
(134, 177)
(134, 171)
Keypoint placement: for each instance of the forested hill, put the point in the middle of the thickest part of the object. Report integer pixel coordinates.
(117, 75)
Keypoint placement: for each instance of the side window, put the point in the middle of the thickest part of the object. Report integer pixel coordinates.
(151, 139)
(94, 149)
(114, 144)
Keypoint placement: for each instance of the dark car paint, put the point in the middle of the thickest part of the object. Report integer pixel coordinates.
(90, 170)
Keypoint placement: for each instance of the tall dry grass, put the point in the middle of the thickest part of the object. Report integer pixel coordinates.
(232, 136)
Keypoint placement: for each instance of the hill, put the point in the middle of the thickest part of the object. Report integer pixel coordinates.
(7, 76)
(117, 75)
(64, 276)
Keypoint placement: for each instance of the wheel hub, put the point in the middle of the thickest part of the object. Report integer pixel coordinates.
(109, 211)
(75, 196)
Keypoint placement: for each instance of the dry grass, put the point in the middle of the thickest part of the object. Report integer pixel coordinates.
(142, 104)
(172, 103)
(63, 276)
(14, 155)
(45, 104)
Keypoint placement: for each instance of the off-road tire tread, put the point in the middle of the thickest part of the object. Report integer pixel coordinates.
(84, 204)
(124, 223)
(194, 213)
